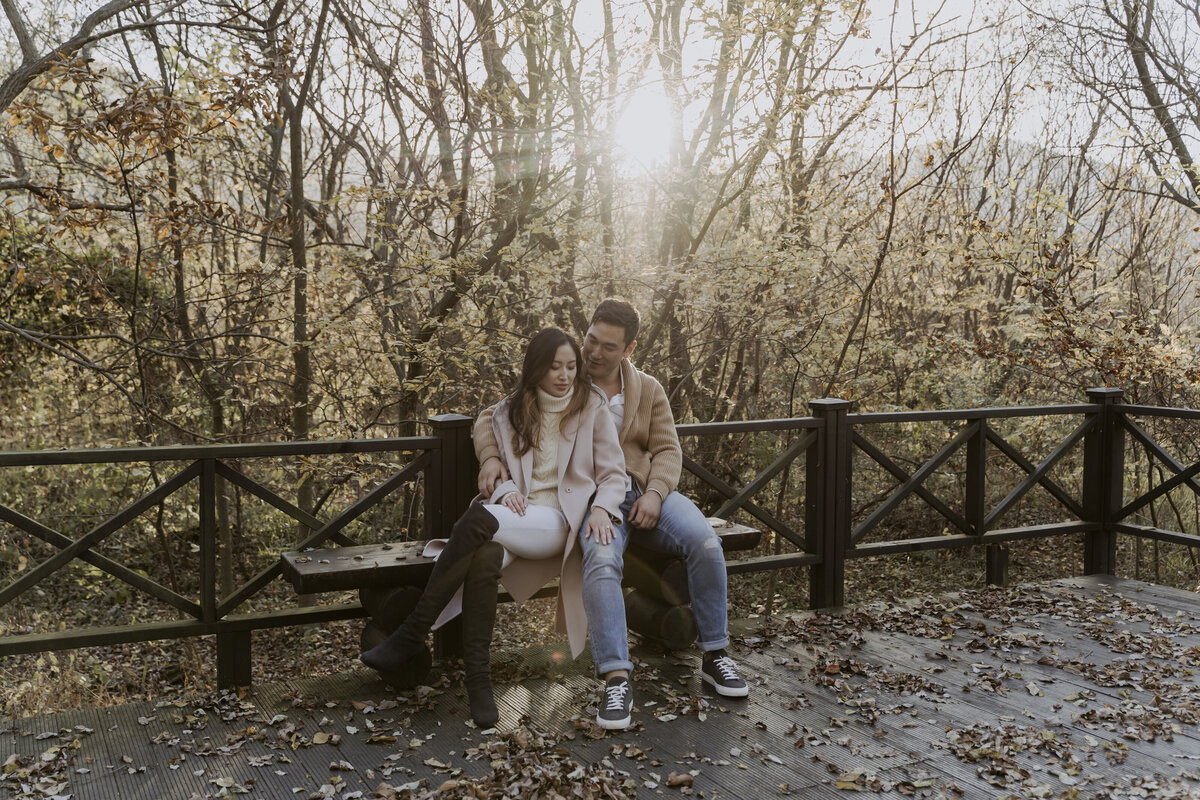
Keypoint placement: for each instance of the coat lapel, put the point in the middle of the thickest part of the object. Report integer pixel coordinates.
(565, 446)
(522, 473)
(526, 478)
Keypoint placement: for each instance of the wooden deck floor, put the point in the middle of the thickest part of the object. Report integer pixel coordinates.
(1080, 688)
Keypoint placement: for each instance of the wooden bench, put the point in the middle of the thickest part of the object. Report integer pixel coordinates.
(390, 577)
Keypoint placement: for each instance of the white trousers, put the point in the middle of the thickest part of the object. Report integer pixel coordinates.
(540, 533)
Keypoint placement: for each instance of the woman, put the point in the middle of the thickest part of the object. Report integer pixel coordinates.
(559, 443)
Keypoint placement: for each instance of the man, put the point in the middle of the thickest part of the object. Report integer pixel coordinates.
(660, 517)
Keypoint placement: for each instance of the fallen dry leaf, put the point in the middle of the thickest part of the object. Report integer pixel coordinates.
(677, 779)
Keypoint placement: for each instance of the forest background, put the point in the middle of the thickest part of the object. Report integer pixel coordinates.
(228, 222)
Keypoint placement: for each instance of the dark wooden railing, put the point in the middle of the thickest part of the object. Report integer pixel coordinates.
(835, 532)
(438, 460)
(818, 527)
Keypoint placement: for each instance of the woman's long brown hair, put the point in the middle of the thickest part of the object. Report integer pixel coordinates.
(523, 411)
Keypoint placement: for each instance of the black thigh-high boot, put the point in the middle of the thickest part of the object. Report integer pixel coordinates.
(473, 529)
(478, 624)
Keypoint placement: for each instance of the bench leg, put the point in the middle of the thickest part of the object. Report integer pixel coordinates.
(658, 621)
(390, 607)
(447, 640)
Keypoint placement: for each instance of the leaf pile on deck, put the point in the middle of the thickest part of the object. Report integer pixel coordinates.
(525, 763)
(44, 775)
(1006, 624)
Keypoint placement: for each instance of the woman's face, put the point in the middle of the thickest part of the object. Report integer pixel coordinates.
(558, 379)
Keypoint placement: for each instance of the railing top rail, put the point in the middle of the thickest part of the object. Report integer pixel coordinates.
(191, 452)
(879, 417)
(747, 426)
(1159, 411)
(334, 446)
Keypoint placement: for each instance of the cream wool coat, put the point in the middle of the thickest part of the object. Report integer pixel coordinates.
(590, 465)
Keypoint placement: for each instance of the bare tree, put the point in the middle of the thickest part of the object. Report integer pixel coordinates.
(1140, 59)
(35, 62)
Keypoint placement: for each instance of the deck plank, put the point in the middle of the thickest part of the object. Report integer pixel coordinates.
(874, 696)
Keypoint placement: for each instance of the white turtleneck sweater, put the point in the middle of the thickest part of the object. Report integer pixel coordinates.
(543, 485)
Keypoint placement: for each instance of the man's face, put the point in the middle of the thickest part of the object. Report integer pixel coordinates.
(603, 348)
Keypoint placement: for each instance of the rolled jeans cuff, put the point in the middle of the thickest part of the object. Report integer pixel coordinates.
(718, 644)
(613, 666)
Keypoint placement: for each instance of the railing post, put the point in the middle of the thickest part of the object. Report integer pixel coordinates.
(208, 540)
(450, 486)
(995, 556)
(450, 483)
(234, 666)
(233, 647)
(1103, 481)
(827, 503)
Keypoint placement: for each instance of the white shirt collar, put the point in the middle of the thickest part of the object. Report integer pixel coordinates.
(619, 397)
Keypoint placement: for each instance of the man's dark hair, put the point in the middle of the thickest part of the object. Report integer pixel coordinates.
(621, 313)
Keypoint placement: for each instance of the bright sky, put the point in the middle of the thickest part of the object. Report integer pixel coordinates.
(643, 130)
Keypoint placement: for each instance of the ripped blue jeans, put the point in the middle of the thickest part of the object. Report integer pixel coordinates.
(682, 530)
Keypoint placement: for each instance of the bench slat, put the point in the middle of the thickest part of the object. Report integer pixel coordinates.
(401, 563)
(341, 568)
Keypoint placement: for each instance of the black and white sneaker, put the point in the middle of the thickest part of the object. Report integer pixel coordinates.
(722, 674)
(616, 705)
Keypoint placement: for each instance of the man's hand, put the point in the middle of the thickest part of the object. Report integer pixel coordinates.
(646, 510)
(599, 525)
(491, 474)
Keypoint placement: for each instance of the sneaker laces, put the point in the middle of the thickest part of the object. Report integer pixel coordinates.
(615, 696)
(727, 668)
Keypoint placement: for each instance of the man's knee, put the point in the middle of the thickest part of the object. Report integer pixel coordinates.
(697, 539)
(602, 560)
(707, 548)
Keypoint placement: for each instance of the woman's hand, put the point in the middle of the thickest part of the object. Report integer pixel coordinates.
(515, 502)
(600, 525)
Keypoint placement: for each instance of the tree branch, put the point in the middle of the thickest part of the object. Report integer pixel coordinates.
(28, 48)
(1138, 47)
(23, 184)
(34, 65)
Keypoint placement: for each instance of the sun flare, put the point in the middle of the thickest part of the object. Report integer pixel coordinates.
(644, 129)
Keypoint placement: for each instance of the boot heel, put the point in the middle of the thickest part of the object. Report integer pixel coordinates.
(482, 701)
